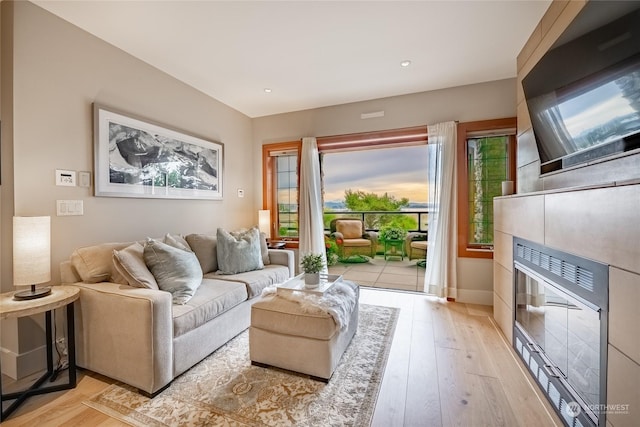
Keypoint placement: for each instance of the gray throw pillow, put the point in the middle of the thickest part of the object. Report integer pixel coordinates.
(239, 251)
(176, 270)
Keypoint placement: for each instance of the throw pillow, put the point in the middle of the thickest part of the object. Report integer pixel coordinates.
(176, 270)
(94, 264)
(264, 249)
(129, 262)
(205, 248)
(177, 241)
(239, 252)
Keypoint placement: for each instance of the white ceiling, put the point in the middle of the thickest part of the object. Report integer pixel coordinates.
(313, 53)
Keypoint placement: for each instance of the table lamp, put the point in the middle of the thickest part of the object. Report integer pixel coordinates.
(31, 255)
(264, 222)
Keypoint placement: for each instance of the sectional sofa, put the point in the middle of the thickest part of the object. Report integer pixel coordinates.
(135, 332)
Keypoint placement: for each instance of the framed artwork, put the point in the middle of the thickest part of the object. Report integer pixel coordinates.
(137, 158)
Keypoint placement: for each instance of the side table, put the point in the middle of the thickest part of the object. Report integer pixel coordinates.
(276, 244)
(393, 247)
(60, 296)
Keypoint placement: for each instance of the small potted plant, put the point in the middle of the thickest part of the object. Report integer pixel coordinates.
(311, 265)
(392, 233)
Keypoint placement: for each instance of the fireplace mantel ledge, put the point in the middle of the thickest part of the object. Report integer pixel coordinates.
(635, 181)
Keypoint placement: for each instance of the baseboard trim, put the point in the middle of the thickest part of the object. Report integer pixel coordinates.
(17, 366)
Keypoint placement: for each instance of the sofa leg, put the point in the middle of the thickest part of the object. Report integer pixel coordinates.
(155, 393)
(264, 365)
(260, 365)
(322, 380)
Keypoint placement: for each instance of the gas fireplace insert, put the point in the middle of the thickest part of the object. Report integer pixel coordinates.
(560, 328)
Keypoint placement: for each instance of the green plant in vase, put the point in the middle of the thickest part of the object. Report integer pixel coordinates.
(312, 264)
(392, 233)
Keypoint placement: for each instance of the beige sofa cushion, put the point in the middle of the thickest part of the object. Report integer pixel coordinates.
(212, 298)
(205, 248)
(129, 262)
(359, 243)
(257, 280)
(177, 241)
(350, 229)
(289, 318)
(94, 264)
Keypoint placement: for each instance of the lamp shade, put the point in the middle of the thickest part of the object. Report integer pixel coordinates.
(264, 222)
(31, 250)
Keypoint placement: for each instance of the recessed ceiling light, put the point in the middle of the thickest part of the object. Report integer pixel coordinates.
(267, 90)
(405, 63)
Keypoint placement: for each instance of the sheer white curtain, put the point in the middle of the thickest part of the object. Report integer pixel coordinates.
(440, 275)
(311, 224)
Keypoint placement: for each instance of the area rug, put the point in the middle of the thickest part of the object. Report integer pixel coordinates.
(226, 390)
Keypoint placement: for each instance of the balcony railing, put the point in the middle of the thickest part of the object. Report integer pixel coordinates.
(373, 220)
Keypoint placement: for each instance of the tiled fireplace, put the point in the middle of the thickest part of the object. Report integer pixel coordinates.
(560, 329)
(568, 230)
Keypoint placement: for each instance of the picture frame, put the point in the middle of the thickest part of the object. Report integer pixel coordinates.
(135, 157)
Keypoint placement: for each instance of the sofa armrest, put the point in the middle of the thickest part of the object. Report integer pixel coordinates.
(125, 333)
(338, 236)
(371, 235)
(283, 257)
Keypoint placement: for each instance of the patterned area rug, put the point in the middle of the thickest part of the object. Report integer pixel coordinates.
(226, 390)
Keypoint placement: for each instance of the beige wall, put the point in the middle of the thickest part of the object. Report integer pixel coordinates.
(467, 103)
(52, 72)
(59, 71)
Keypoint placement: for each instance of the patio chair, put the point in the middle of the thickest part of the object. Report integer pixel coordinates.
(416, 246)
(352, 239)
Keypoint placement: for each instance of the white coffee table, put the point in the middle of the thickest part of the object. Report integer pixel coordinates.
(297, 284)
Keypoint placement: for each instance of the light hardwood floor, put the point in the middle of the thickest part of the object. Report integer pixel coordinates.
(448, 366)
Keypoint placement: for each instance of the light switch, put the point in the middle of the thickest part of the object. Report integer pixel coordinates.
(240, 192)
(84, 179)
(69, 207)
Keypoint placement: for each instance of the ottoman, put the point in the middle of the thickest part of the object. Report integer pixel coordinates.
(283, 335)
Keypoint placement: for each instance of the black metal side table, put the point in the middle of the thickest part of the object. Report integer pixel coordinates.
(61, 296)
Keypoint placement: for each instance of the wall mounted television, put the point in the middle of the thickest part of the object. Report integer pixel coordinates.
(583, 95)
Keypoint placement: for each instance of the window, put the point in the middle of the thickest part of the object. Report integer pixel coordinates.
(287, 194)
(486, 157)
(280, 187)
(280, 162)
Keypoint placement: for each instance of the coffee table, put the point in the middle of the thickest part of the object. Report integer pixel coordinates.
(297, 284)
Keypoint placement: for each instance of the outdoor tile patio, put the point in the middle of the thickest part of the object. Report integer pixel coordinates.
(393, 273)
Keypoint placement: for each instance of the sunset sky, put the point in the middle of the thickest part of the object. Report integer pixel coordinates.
(400, 172)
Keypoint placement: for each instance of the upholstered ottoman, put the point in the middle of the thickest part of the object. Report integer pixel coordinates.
(285, 335)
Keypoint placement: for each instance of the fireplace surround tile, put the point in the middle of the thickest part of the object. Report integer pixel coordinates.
(622, 389)
(600, 224)
(624, 316)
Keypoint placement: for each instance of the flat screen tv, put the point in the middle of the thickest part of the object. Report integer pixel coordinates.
(583, 95)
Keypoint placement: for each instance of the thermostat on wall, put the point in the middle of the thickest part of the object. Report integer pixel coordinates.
(65, 177)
